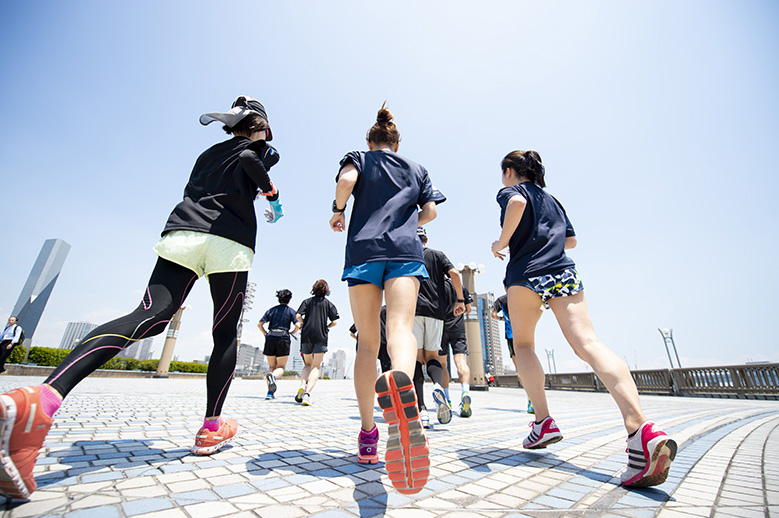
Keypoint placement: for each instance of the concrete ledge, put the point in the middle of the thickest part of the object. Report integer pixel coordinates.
(37, 370)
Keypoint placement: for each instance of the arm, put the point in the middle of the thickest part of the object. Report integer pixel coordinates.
(300, 318)
(332, 324)
(495, 315)
(347, 178)
(514, 211)
(457, 282)
(17, 336)
(570, 242)
(428, 213)
(296, 329)
(261, 325)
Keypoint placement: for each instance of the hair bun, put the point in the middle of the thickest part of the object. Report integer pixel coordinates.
(384, 117)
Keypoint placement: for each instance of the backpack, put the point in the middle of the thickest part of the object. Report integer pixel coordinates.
(21, 337)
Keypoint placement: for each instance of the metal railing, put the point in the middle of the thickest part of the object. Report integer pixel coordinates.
(745, 381)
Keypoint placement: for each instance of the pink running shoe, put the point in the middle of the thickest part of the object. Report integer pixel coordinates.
(208, 442)
(542, 434)
(368, 444)
(23, 428)
(650, 453)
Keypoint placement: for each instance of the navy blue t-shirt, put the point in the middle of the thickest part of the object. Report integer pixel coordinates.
(537, 246)
(279, 317)
(389, 191)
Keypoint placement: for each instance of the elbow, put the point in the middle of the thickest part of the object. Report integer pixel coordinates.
(570, 242)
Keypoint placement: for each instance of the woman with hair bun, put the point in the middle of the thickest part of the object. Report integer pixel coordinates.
(539, 274)
(277, 338)
(384, 258)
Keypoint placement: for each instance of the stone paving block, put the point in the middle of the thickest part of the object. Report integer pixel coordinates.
(146, 505)
(280, 511)
(107, 511)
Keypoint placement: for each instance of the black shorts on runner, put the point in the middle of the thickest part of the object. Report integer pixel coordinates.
(454, 335)
(276, 346)
(309, 348)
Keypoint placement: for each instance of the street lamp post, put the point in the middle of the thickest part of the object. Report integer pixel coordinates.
(170, 343)
(668, 338)
(247, 305)
(550, 360)
(472, 334)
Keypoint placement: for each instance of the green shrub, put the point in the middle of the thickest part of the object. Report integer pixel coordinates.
(291, 373)
(188, 367)
(149, 365)
(47, 356)
(17, 355)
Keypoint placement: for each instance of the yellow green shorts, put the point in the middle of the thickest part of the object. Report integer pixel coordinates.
(204, 253)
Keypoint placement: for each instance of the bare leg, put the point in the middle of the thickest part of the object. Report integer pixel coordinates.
(313, 373)
(463, 371)
(401, 297)
(280, 366)
(525, 310)
(574, 320)
(365, 300)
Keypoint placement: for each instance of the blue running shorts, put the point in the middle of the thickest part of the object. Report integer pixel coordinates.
(564, 283)
(379, 272)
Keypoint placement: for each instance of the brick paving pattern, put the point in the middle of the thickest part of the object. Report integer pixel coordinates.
(120, 448)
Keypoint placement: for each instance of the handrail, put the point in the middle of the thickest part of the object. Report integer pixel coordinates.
(754, 380)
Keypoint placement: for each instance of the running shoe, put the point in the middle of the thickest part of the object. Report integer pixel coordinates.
(530, 409)
(271, 383)
(650, 453)
(368, 446)
(270, 395)
(208, 442)
(542, 434)
(23, 428)
(407, 457)
(299, 395)
(465, 405)
(443, 410)
(306, 399)
(424, 417)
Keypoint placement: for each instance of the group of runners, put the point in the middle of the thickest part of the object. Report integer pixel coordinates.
(212, 232)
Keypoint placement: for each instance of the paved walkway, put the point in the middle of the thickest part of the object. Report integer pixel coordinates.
(120, 448)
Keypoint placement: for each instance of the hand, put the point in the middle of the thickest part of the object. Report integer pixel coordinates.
(496, 250)
(338, 222)
(275, 212)
(459, 309)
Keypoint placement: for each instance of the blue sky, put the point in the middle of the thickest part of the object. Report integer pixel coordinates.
(657, 123)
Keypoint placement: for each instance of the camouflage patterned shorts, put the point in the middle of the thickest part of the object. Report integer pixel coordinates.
(561, 284)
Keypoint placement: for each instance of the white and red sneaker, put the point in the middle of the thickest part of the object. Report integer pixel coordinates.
(23, 428)
(542, 434)
(650, 453)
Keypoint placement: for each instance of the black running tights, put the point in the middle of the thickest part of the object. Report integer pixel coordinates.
(168, 287)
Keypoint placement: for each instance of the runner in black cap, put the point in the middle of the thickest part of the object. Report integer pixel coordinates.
(212, 232)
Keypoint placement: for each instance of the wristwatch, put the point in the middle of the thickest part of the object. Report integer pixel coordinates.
(336, 210)
(461, 300)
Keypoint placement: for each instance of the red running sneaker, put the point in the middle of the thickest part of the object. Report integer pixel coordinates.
(208, 442)
(23, 428)
(542, 434)
(650, 453)
(407, 458)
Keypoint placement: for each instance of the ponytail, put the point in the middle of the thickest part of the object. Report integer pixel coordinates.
(527, 164)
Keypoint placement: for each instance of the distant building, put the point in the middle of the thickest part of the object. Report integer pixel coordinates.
(40, 283)
(74, 333)
(296, 364)
(491, 345)
(250, 359)
(140, 350)
(336, 365)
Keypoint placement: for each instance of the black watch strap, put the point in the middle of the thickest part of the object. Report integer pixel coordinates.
(336, 210)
